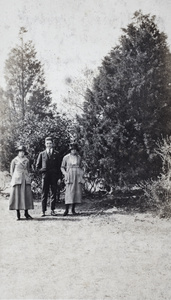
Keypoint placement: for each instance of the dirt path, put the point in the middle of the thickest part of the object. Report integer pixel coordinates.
(110, 256)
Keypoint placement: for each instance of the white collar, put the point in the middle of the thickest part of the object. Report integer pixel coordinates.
(49, 151)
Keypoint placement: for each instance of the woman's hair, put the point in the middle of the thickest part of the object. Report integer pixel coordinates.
(21, 148)
(73, 146)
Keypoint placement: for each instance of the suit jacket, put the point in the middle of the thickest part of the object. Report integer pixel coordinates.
(19, 170)
(49, 165)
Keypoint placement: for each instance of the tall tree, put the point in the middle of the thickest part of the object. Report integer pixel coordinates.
(5, 128)
(28, 114)
(26, 88)
(76, 91)
(129, 106)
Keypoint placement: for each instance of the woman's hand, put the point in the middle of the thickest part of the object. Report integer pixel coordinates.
(59, 181)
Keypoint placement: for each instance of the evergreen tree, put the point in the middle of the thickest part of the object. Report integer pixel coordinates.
(129, 107)
(6, 130)
(30, 115)
(26, 89)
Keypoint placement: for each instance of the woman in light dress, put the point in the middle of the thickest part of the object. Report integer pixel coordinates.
(71, 169)
(21, 194)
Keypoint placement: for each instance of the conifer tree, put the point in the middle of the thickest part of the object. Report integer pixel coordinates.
(129, 107)
(26, 87)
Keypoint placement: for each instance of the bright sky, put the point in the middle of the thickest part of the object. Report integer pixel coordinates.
(71, 35)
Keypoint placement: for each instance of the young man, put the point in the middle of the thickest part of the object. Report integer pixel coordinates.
(48, 163)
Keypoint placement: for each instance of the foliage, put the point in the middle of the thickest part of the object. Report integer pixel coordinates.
(158, 192)
(32, 132)
(128, 107)
(76, 91)
(7, 132)
(27, 112)
(26, 88)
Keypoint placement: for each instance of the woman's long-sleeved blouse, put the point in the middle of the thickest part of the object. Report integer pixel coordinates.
(19, 169)
(69, 163)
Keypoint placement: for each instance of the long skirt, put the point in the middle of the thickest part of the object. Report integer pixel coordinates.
(73, 193)
(21, 197)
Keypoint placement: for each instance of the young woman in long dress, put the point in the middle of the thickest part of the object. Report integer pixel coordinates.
(71, 169)
(21, 194)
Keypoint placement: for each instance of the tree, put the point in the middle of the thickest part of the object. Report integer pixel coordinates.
(129, 107)
(30, 115)
(76, 91)
(5, 130)
(26, 89)
(32, 132)
(35, 130)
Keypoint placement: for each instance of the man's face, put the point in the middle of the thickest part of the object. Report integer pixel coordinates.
(48, 144)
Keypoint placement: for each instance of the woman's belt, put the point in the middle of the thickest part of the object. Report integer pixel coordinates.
(74, 166)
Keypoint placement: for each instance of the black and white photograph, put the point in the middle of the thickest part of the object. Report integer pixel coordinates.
(85, 149)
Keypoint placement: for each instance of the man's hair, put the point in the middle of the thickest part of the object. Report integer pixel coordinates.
(48, 139)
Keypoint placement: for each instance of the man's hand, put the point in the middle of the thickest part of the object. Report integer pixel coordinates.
(42, 170)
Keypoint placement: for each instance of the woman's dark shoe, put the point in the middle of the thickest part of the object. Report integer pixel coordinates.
(74, 213)
(65, 213)
(66, 210)
(53, 213)
(28, 217)
(18, 215)
(73, 209)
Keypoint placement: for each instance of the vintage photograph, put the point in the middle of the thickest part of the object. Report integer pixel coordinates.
(85, 149)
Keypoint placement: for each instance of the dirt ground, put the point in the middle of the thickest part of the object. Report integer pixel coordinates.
(114, 255)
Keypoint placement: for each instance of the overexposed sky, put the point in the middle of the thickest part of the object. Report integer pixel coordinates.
(71, 35)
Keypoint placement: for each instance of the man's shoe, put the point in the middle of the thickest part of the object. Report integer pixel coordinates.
(53, 213)
(43, 215)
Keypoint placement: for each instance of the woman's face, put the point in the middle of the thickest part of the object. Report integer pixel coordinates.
(73, 151)
(21, 153)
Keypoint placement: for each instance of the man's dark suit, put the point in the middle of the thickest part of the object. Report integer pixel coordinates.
(49, 166)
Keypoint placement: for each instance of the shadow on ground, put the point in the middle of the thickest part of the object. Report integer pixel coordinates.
(129, 202)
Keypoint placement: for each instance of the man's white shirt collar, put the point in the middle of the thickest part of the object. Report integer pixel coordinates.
(49, 151)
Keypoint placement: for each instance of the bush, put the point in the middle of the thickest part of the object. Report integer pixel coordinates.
(157, 193)
(31, 132)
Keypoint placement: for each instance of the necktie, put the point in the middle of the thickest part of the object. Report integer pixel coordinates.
(49, 153)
